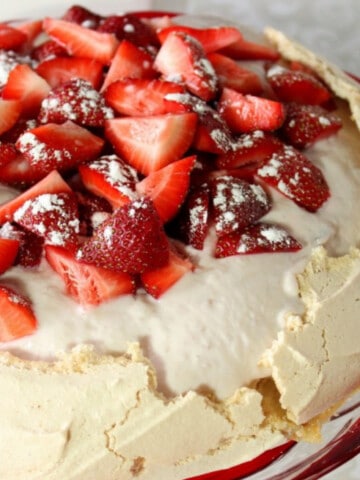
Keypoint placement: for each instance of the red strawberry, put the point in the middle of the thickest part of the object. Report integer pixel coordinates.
(20, 127)
(80, 41)
(32, 30)
(211, 39)
(143, 97)
(150, 143)
(26, 86)
(53, 216)
(232, 75)
(59, 70)
(131, 240)
(92, 211)
(8, 61)
(11, 38)
(292, 174)
(82, 16)
(48, 50)
(253, 147)
(75, 100)
(129, 61)
(306, 124)
(9, 248)
(167, 187)
(110, 177)
(237, 204)
(246, 113)
(17, 318)
(52, 183)
(9, 113)
(88, 284)
(8, 153)
(30, 245)
(157, 282)
(245, 50)
(259, 238)
(59, 147)
(297, 86)
(17, 170)
(182, 57)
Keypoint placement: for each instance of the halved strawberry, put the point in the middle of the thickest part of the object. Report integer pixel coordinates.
(82, 16)
(306, 124)
(75, 100)
(52, 183)
(292, 174)
(48, 50)
(259, 238)
(11, 38)
(9, 248)
(244, 49)
(168, 187)
(143, 97)
(20, 127)
(183, 57)
(17, 170)
(157, 282)
(110, 177)
(17, 318)
(211, 39)
(81, 41)
(9, 113)
(131, 240)
(231, 75)
(129, 61)
(8, 61)
(59, 70)
(26, 86)
(59, 147)
(52, 216)
(87, 284)
(32, 30)
(297, 86)
(150, 143)
(237, 204)
(246, 113)
(30, 245)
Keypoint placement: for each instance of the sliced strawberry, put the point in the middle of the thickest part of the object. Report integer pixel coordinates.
(157, 282)
(232, 75)
(253, 147)
(131, 240)
(52, 216)
(48, 50)
(18, 172)
(26, 86)
(143, 97)
(110, 177)
(8, 153)
(129, 61)
(59, 147)
(150, 143)
(9, 248)
(32, 30)
(211, 39)
(297, 86)
(237, 204)
(306, 124)
(182, 57)
(88, 284)
(11, 38)
(81, 41)
(9, 113)
(93, 210)
(292, 174)
(20, 127)
(75, 100)
(8, 61)
(52, 183)
(30, 245)
(82, 16)
(167, 187)
(259, 238)
(62, 69)
(17, 318)
(246, 113)
(245, 50)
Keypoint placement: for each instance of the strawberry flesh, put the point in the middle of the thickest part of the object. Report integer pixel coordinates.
(17, 318)
(9, 248)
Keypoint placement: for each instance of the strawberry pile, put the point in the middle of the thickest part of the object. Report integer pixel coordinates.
(129, 137)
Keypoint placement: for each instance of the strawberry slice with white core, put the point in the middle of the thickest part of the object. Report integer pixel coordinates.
(131, 240)
(167, 187)
(17, 318)
(157, 282)
(9, 248)
(11, 38)
(259, 238)
(81, 41)
(292, 174)
(182, 57)
(53, 216)
(110, 177)
(151, 143)
(87, 284)
(10, 111)
(75, 100)
(237, 204)
(246, 113)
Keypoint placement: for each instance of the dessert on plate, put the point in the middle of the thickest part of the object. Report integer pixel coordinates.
(179, 226)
